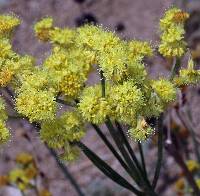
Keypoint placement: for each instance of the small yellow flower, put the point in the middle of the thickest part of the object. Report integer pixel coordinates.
(71, 84)
(62, 36)
(5, 77)
(31, 171)
(126, 101)
(96, 38)
(93, 107)
(67, 127)
(44, 192)
(172, 27)
(188, 76)
(37, 105)
(4, 133)
(141, 131)
(175, 49)
(8, 23)
(192, 165)
(140, 48)
(24, 158)
(113, 63)
(18, 177)
(43, 27)
(164, 89)
(180, 185)
(173, 16)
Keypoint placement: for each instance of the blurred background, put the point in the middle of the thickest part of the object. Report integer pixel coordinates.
(131, 19)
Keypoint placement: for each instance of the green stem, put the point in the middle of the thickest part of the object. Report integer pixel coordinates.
(65, 171)
(130, 150)
(132, 154)
(142, 158)
(119, 144)
(103, 84)
(141, 179)
(112, 149)
(106, 169)
(190, 128)
(160, 151)
(179, 160)
(175, 68)
(61, 166)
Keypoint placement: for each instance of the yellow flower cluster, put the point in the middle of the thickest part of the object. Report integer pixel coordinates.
(141, 131)
(4, 132)
(8, 23)
(188, 76)
(93, 107)
(59, 132)
(126, 101)
(192, 165)
(129, 95)
(140, 48)
(181, 185)
(172, 27)
(24, 175)
(10, 62)
(43, 27)
(164, 89)
(24, 158)
(37, 105)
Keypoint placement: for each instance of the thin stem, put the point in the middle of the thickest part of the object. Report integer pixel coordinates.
(187, 124)
(110, 146)
(62, 166)
(175, 68)
(123, 151)
(65, 171)
(179, 160)
(160, 151)
(141, 179)
(106, 169)
(128, 146)
(142, 158)
(131, 152)
(103, 84)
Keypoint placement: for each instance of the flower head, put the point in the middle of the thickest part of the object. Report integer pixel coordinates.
(164, 89)
(66, 128)
(113, 63)
(140, 48)
(4, 133)
(8, 23)
(24, 158)
(192, 165)
(37, 105)
(188, 76)
(62, 36)
(141, 131)
(19, 178)
(93, 107)
(173, 16)
(126, 100)
(172, 27)
(43, 27)
(3, 113)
